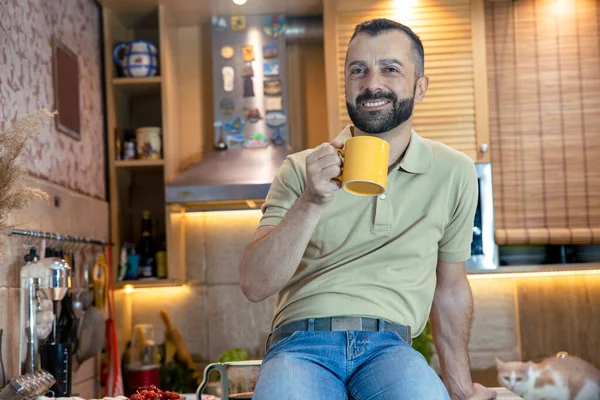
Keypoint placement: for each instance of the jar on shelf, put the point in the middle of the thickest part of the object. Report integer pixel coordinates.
(148, 143)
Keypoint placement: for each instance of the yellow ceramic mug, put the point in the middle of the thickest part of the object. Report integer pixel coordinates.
(365, 165)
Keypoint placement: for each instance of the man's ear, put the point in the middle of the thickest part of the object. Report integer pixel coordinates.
(421, 89)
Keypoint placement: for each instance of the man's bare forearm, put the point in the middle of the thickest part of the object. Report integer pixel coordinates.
(270, 262)
(451, 324)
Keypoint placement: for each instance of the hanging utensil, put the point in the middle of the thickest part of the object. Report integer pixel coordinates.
(100, 283)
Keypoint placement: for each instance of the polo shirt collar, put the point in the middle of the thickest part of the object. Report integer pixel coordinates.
(418, 157)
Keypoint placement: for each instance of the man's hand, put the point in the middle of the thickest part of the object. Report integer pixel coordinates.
(322, 165)
(480, 392)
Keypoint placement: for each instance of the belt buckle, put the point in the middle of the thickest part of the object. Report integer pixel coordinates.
(346, 324)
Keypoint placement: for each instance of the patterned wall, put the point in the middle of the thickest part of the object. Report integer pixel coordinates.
(26, 84)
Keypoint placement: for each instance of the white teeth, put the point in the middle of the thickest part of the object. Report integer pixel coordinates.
(375, 104)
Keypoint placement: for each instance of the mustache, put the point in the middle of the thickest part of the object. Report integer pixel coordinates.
(369, 96)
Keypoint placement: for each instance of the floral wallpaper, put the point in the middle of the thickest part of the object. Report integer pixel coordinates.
(26, 84)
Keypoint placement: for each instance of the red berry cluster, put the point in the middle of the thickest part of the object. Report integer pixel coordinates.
(154, 393)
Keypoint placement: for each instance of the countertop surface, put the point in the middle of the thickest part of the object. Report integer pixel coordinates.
(505, 394)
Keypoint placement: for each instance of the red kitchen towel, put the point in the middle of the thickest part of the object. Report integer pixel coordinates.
(114, 380)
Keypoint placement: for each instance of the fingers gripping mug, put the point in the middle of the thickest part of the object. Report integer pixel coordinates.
(364, 165)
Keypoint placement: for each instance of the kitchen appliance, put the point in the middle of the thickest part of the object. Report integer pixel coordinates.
(484, 251)
(48, 278)
(143, 368)
(238, 379)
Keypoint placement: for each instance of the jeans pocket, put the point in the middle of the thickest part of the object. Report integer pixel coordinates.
(395, 335)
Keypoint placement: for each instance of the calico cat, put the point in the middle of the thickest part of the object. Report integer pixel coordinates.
(563, 377)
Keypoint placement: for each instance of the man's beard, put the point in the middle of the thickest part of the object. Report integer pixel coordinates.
(380, 121)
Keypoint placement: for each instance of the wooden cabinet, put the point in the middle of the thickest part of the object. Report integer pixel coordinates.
(131, 103)
(455, 110)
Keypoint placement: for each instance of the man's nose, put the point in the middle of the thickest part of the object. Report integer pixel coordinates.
(373, 83)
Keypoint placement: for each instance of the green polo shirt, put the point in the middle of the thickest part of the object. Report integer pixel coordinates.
(377, 256)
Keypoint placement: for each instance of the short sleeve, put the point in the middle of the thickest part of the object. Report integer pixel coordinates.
(455, 245)
(285, 189)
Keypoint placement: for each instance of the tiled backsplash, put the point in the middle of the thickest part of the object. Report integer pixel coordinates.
(210, 311)
(77, 215)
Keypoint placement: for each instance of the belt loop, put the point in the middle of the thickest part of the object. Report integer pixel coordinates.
(311, 324)
(268, 342)
(381, 325)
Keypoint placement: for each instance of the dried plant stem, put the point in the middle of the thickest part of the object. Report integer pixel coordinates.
(14, 194)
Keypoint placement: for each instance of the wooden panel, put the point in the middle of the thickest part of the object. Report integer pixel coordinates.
(544, 83)
(457, 90)
(190, 64)
(307, 105)
(560, 314)
(315, 102)
(114, 32)
(296, 95)
(170, 98)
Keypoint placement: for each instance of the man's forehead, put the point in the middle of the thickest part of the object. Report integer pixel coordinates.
(386, 44)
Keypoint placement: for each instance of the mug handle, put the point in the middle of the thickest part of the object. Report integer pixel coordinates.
(205, 379)
(118, 60)
(342, 154)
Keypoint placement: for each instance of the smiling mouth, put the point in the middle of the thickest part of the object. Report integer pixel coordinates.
(374, 104)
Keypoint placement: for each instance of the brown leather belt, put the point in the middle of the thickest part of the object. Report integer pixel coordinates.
(333, 324)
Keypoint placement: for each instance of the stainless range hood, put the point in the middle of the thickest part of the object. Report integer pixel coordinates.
(241, 176)
(230, 175)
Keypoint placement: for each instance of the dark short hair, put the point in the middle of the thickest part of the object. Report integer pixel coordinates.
(377, 26)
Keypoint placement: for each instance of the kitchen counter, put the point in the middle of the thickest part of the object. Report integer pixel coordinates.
(506, 394)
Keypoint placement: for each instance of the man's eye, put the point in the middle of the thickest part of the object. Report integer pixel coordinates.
(391, 69)
(357, 71)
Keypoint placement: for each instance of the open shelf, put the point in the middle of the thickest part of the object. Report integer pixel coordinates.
(138, 86)
(139, 163)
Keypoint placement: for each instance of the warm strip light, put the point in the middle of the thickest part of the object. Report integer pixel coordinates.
(253, 213)
(534, 274)
(159, 290)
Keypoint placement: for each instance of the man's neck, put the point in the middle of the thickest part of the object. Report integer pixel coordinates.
(398, 138)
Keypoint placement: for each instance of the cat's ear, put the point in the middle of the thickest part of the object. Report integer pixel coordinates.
(499, 362)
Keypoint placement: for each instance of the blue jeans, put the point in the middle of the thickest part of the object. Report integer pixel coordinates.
(356, 365)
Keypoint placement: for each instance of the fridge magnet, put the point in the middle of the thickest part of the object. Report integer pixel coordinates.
(227, 106)
(256, 140)
(228, 74)
(235, 141)
(248, 53)
(247, 70)
(252, 115)
(277, 137)
(227, 52)
(219, 143)
(275, 119)
(270, 51)
(234, 126)
(272, 88)
(219, 23)
(274, 25)
(271, 68)
(238, 23)
(248, 87)
(273, 103)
